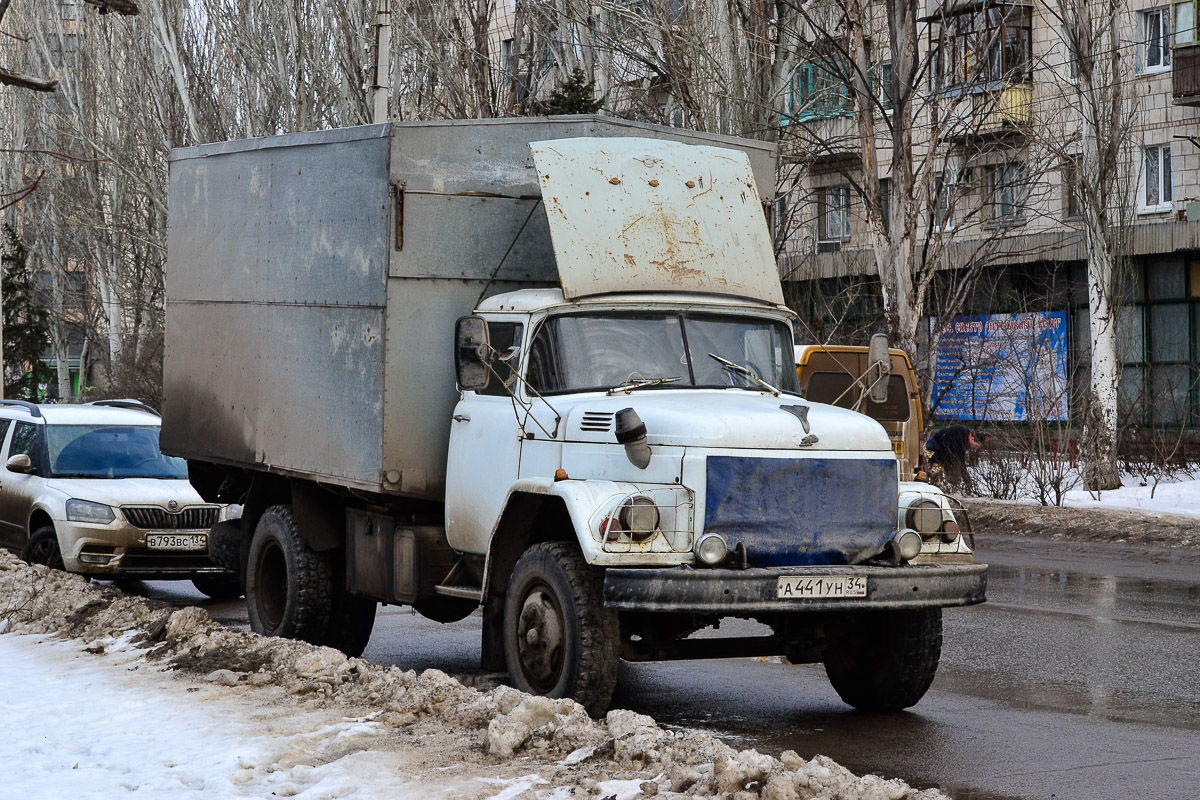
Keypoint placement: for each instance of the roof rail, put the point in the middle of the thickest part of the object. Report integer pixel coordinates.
(130, 404)
(33, 410)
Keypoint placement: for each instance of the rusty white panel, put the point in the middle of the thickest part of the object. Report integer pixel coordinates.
(643, 215)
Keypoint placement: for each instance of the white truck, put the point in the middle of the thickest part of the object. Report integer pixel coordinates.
(541, 368)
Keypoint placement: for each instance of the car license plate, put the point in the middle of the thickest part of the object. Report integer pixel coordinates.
(177, 541)
(898, 448)
(800, 587)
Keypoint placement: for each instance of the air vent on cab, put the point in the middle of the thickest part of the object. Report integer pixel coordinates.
(600, 421)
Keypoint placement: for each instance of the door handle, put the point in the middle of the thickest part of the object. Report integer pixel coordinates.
(461, 418)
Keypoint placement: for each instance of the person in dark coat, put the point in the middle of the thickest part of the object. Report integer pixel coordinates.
(949, 449)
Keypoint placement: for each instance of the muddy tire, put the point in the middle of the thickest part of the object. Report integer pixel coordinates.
(289, 587)
(885, 661)
(219, 588)
(351, 617)
(559, 640)
(42, 548)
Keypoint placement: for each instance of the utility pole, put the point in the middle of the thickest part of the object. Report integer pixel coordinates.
(382, 88)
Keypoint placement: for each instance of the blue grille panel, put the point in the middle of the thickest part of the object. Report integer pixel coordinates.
(794, 511)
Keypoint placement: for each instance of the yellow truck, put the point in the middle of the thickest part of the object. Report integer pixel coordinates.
(879, 382)
(834, 374)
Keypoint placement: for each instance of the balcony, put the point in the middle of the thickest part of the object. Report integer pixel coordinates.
(1185, 75)
(1009, 109)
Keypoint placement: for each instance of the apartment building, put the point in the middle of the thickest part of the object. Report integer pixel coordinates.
(996, 140)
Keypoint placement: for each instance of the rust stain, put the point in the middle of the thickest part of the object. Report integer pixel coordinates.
(630, 260)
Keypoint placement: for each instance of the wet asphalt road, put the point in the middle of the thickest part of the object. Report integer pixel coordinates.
(1079, 679)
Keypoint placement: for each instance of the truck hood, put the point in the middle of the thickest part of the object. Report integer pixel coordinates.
(724, 418)
(128, 491)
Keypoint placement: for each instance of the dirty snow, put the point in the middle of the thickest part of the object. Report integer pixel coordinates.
(106, 695)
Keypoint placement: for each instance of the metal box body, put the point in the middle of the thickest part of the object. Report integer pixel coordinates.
(313, 282)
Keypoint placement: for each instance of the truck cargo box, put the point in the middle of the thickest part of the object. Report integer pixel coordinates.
(313, 282)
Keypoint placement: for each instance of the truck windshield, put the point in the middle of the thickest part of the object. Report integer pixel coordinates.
(585, 352)
(109, 451)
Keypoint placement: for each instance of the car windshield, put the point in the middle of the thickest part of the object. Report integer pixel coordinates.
(109, 451)
(601, 351)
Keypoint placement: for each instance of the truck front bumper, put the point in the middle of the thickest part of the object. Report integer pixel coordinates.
(732, 591)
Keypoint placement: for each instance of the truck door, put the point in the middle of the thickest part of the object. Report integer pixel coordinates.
(485, 446)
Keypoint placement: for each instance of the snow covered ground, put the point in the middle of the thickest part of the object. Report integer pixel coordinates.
(1180, 497)
(78, 726)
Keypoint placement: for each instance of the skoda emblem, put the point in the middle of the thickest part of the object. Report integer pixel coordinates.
(173, 505)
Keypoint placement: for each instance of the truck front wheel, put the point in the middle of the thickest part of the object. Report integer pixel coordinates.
(559, 640)
(289, 586)
(885, 660)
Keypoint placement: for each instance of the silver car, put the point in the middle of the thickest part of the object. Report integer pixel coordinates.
(86, 489)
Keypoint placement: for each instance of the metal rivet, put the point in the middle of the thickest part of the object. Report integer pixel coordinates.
(691, 184)
(614, 181)
(654, 183)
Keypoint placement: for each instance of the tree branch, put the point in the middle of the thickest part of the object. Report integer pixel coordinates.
(27, 81)
(125, 7)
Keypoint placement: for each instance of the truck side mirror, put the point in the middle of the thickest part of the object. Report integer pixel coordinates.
(879, 367)
(472, 353)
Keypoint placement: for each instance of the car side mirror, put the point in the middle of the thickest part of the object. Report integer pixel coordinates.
(473, 353)
(879, 368)
(20, 463)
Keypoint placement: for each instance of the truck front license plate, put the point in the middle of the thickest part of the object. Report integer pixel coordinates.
(822, 586)
(176, 541)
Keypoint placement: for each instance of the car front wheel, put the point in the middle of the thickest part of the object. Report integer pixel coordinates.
(885, 660)
(42, 548)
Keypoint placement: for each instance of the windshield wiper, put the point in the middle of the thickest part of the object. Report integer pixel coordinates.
(639, 383)
(746, 371)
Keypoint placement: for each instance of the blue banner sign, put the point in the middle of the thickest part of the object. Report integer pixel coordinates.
(1002, 367)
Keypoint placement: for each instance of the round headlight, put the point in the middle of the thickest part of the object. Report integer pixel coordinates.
(908, 545)
(950, 531)
(925, 517)
(639, 516)
(711, 549)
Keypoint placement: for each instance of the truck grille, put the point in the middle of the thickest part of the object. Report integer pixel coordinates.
(795, 511)
(159, 519)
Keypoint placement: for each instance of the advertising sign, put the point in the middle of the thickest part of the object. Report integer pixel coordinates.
(1002, 367)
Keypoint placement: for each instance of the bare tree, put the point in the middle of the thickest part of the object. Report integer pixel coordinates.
(1090, 31)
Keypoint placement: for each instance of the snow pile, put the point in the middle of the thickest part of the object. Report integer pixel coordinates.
(626, 755)
(1168, 497)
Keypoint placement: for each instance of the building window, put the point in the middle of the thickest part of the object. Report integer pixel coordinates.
(943, 200)
(882, 79)
(1156, 41)
(1070, 191)
(1157, 194)
(987, 45)
(1008, 186)
(506, 55)
(885, 203)
(833, 206)
(817, 91)
(1185, 22)
(780, 217)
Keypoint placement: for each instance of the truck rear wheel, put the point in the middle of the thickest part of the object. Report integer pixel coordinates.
(289, 585)
(885, 660)
(559, 640)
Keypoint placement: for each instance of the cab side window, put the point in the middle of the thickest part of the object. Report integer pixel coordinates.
(4, 425)
(25, 440)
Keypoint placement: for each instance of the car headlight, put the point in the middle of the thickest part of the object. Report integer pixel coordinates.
(638, 516)
(87, 511)
(925, 517)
